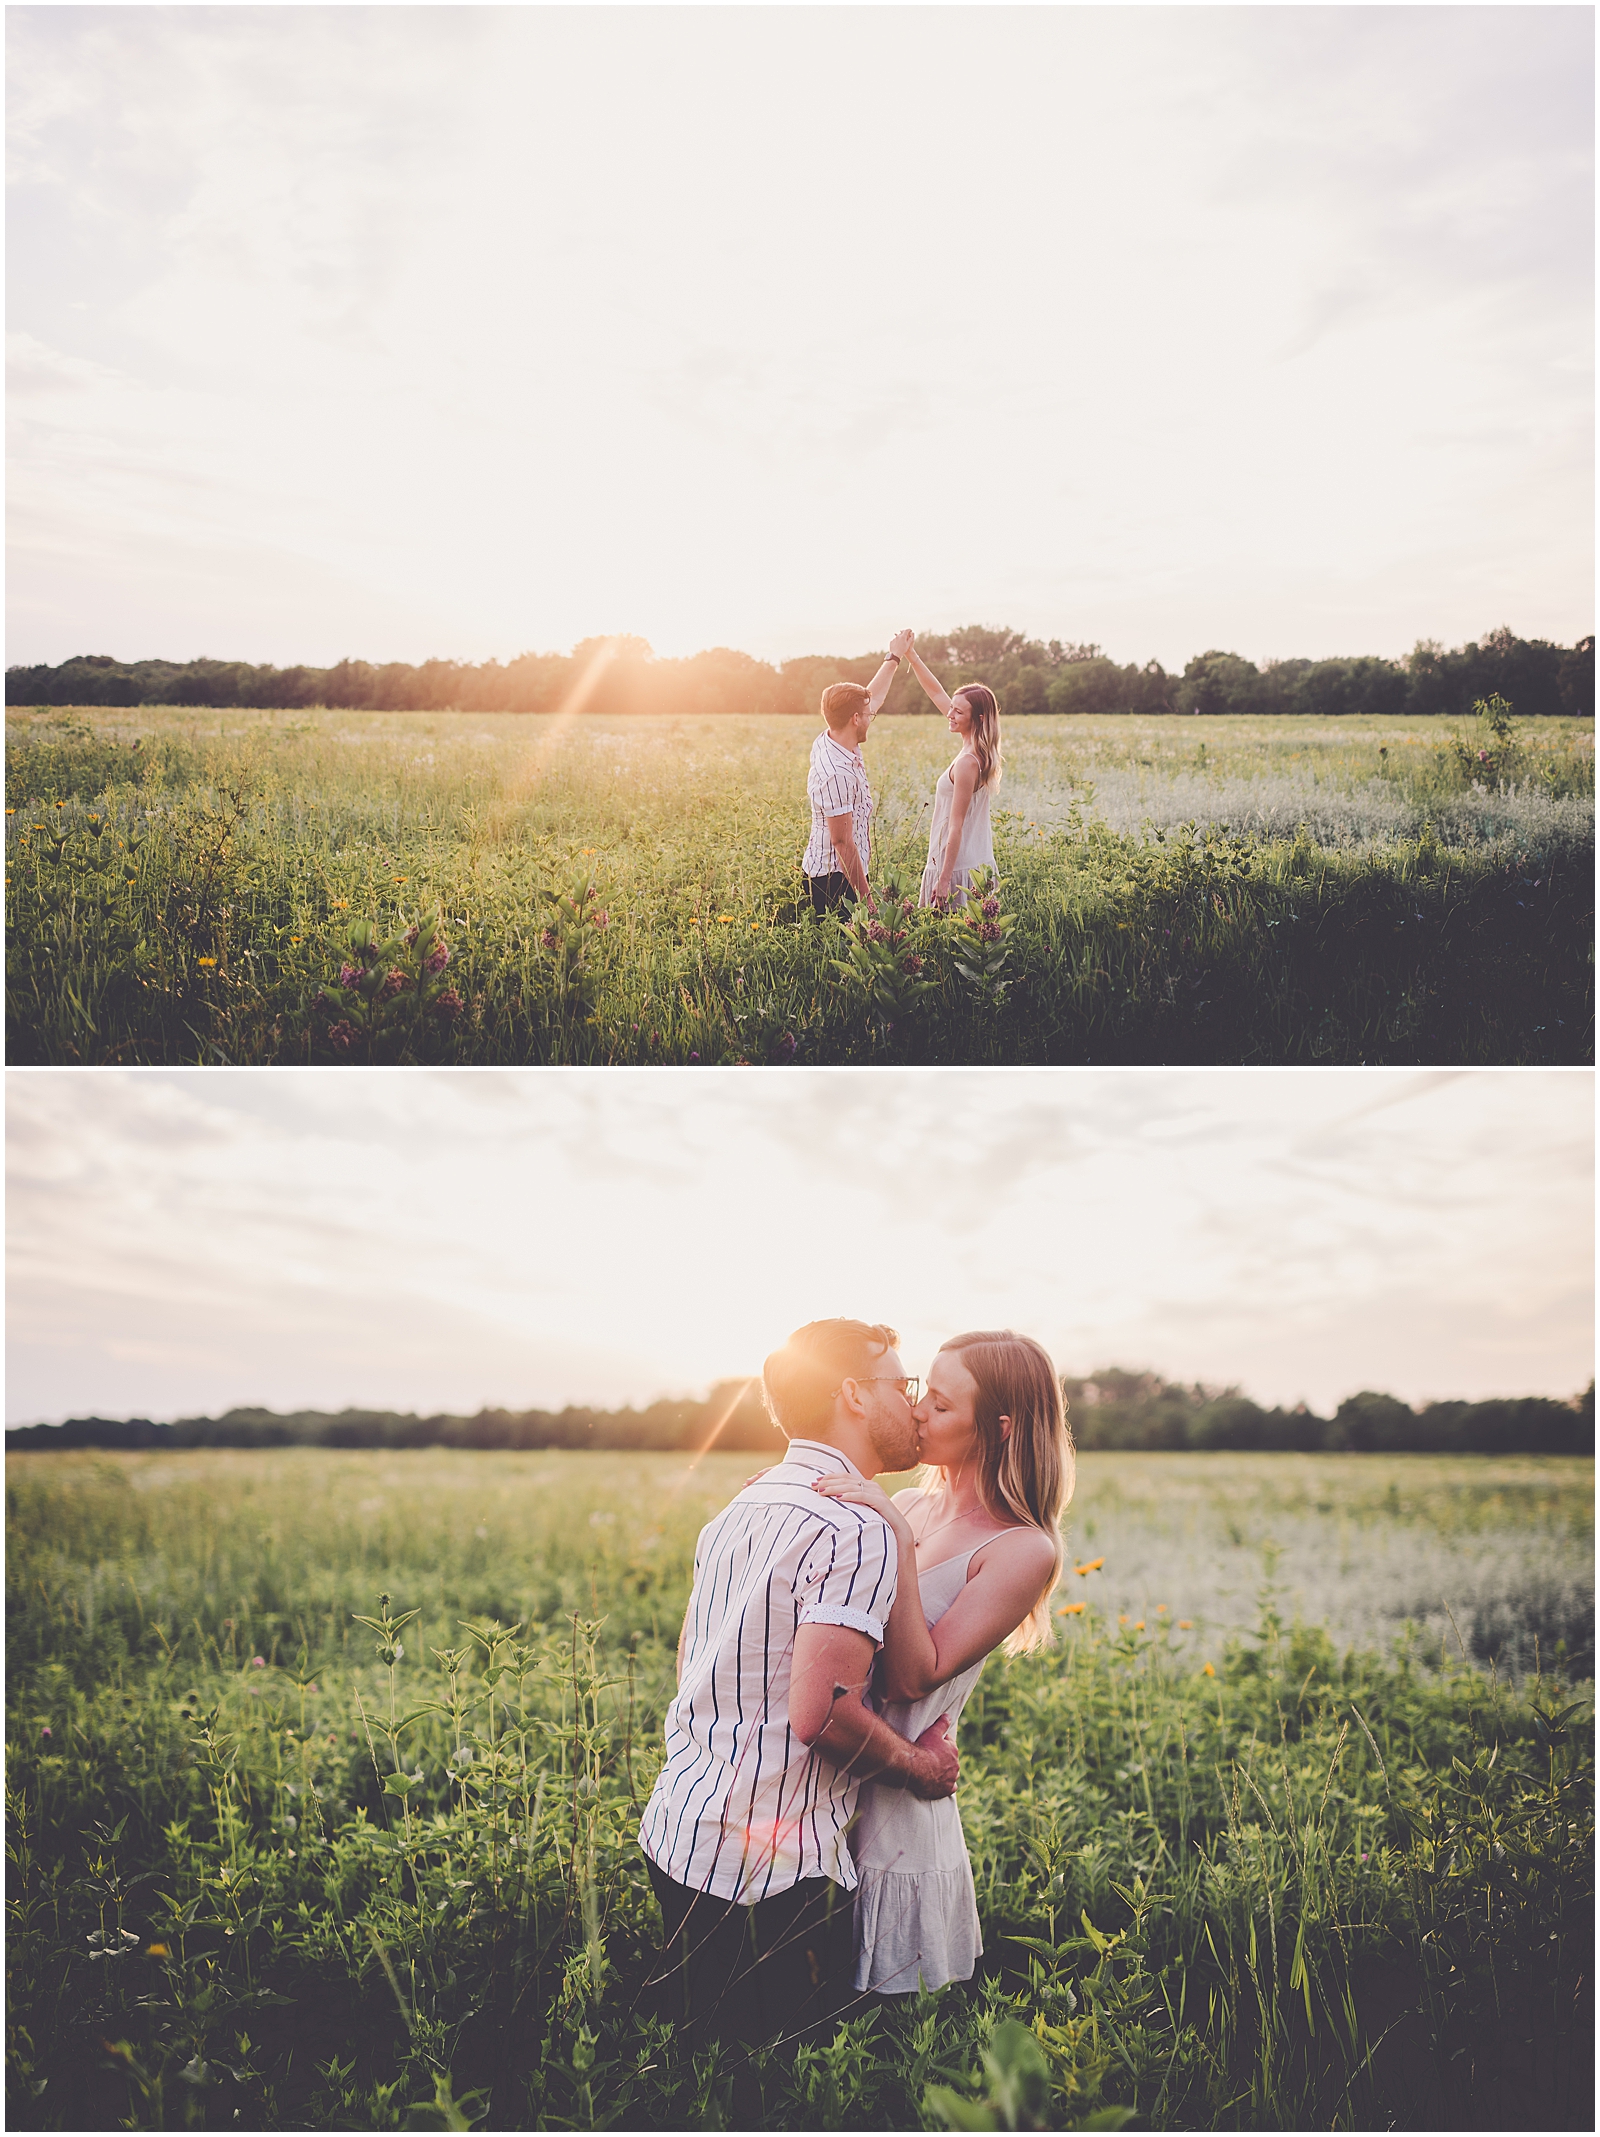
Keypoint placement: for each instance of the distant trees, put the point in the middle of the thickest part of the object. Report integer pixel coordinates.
(1111, 1409)
(1114, 1408)
(1029, 675)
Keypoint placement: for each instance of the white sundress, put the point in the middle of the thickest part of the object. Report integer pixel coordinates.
(977, 839)
(916, 1911)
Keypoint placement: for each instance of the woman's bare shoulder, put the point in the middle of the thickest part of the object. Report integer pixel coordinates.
(1030, 1547)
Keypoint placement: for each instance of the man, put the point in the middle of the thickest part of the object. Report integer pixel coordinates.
(839, 849)
(769, 1737)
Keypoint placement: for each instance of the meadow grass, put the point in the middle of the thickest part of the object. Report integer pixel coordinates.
(279, 1860)
(629, 891)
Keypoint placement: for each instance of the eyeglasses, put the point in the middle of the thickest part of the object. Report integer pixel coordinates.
(908, 1384)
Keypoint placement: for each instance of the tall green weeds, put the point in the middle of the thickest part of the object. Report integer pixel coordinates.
(615, 892)
(310, 1857)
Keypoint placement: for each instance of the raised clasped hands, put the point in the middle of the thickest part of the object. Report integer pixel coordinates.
(900, 643)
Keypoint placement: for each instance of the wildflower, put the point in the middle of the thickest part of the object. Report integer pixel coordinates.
(788, 1043)
(897, 938)
(297, 938)
(395, 983)
(989, 932)
(1186, 1624)
(906, 906)
(694, 1057)
(448, 1006)
(157, 1951)
(258, 1662)
(409, 938)
(1209, 1670)
(547, 941)
(911, 964)
(589, 849)
(1160, 1607)
(350, 975)
(876, 931)
(1122, 1621)
(205, 960)
(1139, 1627)
(400, 879)
(45, 1731)
(1072, 1610)
(755, 924)
(342, 1034)
(437, 958)
(341, 905)
(603, 920)
(990, 908)
(1093, 1566)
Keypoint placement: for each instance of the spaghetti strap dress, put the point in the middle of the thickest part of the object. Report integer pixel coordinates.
(916, 1912)
(977, 840)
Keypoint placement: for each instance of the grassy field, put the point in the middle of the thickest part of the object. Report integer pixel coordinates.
(272, 1867)
(182, 886)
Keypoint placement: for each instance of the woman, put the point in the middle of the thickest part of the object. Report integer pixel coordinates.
(980, 1554)
(960, 839)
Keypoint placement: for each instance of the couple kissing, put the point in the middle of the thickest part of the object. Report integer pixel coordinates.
(803, 1837)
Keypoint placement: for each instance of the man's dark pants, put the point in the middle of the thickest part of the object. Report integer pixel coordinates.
(771, 1971)
(829, 891)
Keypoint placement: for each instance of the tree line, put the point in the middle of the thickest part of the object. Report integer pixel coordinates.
(1111, 1410)
(621, 675)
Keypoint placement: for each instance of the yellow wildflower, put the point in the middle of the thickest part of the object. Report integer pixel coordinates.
(1071, 1610)
(158, 1951)
(1122, 1621)
(1093, 1566)
(205, 960)
(1186, 1624)
(1209, 1671)
(1139, 1627)
(1160, 1607)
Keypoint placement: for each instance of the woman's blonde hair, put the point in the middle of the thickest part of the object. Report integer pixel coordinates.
(1027, 1474)
(984, 732)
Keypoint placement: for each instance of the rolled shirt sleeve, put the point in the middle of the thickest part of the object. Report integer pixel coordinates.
(849, 1577)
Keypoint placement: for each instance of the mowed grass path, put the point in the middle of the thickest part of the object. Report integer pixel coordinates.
(1183, 890)
(271, 1871)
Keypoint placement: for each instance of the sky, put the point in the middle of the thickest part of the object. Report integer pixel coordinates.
(401, 332)
(180, 1242)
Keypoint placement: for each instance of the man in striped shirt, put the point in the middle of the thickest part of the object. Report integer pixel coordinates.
(840, 846)
(770, 1735)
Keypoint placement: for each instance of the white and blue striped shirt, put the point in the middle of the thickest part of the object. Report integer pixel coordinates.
(743, 1808)
(836, 783)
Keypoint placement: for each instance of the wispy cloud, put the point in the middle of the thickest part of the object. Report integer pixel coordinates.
(433, 1240)
(450, 303)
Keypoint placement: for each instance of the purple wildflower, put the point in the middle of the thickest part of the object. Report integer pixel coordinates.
(342, 1034)
(258, 1662)
(912, 964)
(990, 908)
(396, 983)
(350, 975)
(438, 957)
(410, 938)
(448, 1006)
(547, 941)
(602, 920)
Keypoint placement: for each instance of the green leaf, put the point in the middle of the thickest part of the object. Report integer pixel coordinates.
(399, 1784)
(961, 2114)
